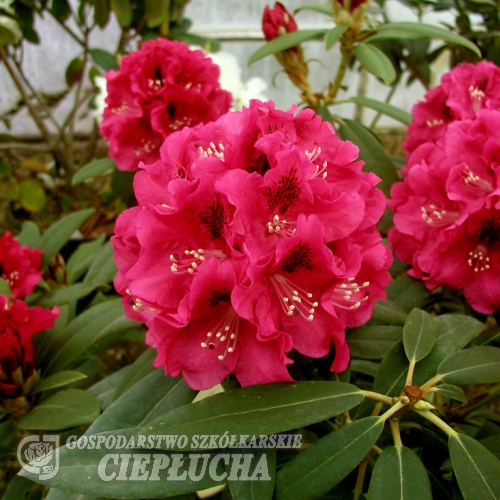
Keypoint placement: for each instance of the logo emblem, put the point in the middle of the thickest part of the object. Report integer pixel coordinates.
(40, 455)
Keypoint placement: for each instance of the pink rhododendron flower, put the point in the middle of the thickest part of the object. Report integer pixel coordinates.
(462, 93)
(255, 236)
(447, 210)
(158, 90)
(19, 266)
(18, 324)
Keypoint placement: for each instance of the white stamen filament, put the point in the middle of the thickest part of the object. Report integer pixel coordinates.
(476, 96)
(226, 331)
(214, 150)
(435, 216)
(478, 259)
(192, 259)
(293, 299)
(473, 180)
(349, 295)
(281, 227)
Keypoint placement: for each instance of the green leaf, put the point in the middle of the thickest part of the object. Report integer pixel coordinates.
(372, 342)
(399, 475)
(156, 12)
(85, 253)
(455, 331)
(477, 365)
(103, 268)
(375, 62)
(61, 9)
(388, 313)
(17, 488)
(123, 12)
(67, 295)
(256, 410)
(62, 410)
(325, 463)
(101, 12)
(140, 368)
(407, 293)
(74, 71)
(105, 389)
(371, 152)
(151, 397)
(55, 494)
(419, 335)
(333, 36)
(451, 391)
(391, 375)
(105, 60)
(81, 472)
(322, 9)
(415, 30)
(285, 42)
(58, 380)
(382, 107)
(5, 288)
(30, 234)
(80, 334)
(59, 233)
(477, 470)
(32, 196)
(93, 169)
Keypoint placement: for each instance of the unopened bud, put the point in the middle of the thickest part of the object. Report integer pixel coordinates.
(422, 405)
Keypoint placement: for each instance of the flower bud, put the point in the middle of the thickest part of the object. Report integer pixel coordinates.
(277, 21)
(349, 13)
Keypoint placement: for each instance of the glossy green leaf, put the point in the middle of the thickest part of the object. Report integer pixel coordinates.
(326, 462)
(80, 334)
(59, 379)
(391, 375)
(103, 268)
(123, 12)
(477, 470)
(104, 59)
(362, 366)
(478, 365)
(455, 331)
(140, 368)
(419, 335)
(30, 234)
(101, 12)
(451, 391)
(61, 9)
(55, 494)
(67, 295)
(285, 42)
(82, 257)
(256, 410)
(105, 389)
(322, 9)
(32, 196)
(333, 36)
(371, 152)
(382, 107)
(372, 342)
(156, 12)
(92, 170)
(151, 397)
(415, 30)
(399, 475)
(74, 71)
(407, 293)
(62, 410)
(59, 233)
(388, 313)
(82, 472)
(375, 62)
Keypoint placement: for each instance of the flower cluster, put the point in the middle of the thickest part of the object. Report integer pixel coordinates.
(20, 268)
(158, 89)
(254, 235)
(446, 211)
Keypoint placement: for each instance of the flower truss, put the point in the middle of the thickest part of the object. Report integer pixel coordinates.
(254, 235)
(158, 90)
(446, 211)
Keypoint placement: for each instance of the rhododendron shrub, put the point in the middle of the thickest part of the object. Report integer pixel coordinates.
(447, 209)
(254, 236)
(158, 90)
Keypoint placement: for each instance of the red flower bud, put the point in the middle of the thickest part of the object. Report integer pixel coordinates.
(277, 21)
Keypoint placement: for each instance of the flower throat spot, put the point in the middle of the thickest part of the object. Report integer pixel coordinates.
(214, 218)
(300, 257)
(284, 194)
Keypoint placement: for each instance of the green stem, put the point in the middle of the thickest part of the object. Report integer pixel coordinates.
(378, 397)
(69, 31)
(396, 435)
(409, 375)
(438, 422)
(347, 51)
(387, 100)
(391, 411)
(432, 382)
(358, 489)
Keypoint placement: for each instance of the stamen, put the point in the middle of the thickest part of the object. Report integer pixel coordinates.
(226, 331)
(154, 84)
(435, 216)
(473, 180)
(281, 227)
(320, 171)
(213, 150)
(478, 259)
(349, 295)
(476, 96)
(138, 306)
(146, 146)
(192, 259)
(294, 300)
(433, 122)
(11, 278)
(314, 153)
